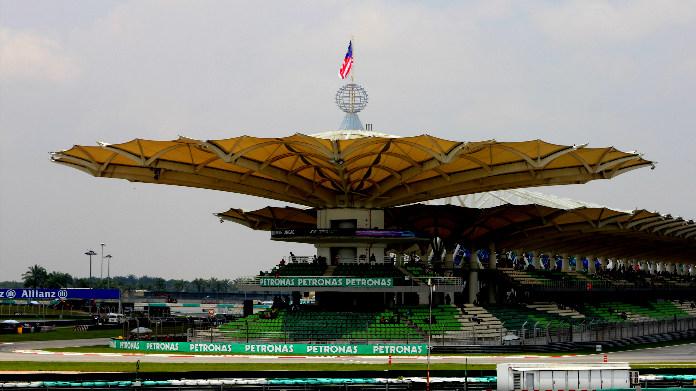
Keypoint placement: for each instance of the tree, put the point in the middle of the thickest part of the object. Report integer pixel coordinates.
(199, 284)
(213, 284)
(159, 283)
(58, 280)
(179, 285)
(35, 277)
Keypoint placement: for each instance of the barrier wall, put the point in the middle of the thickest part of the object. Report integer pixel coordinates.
(274, 348)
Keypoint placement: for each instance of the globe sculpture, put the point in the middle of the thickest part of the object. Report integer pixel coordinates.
(351, 99)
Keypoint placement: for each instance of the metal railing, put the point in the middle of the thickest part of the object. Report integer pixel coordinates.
(528, 334)
(358, 232)
(398, 281)
(291, 333)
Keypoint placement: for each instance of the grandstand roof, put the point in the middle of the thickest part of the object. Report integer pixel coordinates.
(491, 199)
(366, 171)
(586, 230)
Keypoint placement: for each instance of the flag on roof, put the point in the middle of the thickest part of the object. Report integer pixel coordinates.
(347, 62)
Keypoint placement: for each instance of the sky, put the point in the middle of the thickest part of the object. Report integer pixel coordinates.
(619, 73)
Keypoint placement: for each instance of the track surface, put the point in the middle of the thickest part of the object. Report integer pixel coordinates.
(32, 351)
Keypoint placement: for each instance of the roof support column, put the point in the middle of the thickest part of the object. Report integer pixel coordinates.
(535, 260)
(591, 265)
(565, 263)
(473, 276)
(578, 263)
(518, 258)
(492, 286)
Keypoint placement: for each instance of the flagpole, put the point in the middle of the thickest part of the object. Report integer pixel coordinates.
(352, 69)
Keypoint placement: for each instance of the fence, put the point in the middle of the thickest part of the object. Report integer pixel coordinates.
(528, 334)
(536, 334)
(335, 333)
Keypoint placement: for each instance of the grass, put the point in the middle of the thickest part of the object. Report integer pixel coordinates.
(222, 367)
(106, 349)
(61, 333)
(188, 367)
(662, 365)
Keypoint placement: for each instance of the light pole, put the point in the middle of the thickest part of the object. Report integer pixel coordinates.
(108, 270)
(431, 287)
(90, 253)
(101, 266)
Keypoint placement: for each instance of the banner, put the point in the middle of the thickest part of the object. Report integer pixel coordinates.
(274, 348)
(59, 294)
(338, 282)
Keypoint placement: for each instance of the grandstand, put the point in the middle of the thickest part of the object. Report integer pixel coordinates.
(421, 238)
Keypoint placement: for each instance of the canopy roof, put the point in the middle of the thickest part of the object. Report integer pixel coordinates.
(269, 218)
(491, 199)
(371, 172)
(593, 230)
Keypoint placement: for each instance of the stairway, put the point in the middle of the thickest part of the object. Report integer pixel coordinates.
(552, 308)
(489, 328)
(686, 307)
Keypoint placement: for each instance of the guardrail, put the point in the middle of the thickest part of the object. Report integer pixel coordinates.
(402, 281)
(322, 232)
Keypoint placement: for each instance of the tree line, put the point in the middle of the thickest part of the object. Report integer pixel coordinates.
(37, 276)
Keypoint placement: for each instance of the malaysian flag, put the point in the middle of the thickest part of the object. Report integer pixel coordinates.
(347, 62)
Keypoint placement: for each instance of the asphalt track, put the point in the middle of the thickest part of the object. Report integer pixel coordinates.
(32, 351)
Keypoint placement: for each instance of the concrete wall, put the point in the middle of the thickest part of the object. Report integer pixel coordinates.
(366, 218)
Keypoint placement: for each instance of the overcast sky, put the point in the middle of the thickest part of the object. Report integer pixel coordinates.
(619, 73)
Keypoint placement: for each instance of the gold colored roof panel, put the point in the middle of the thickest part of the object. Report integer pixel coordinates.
(362, 172)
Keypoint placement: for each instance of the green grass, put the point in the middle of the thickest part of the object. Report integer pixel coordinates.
(106, 349)
(664, 365)
(188, 367)
(60, 333)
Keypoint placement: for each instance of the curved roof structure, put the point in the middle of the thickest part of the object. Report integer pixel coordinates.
(605, 232)
(269, 218)
(597, 231)
(372, 172)
(492, 199)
